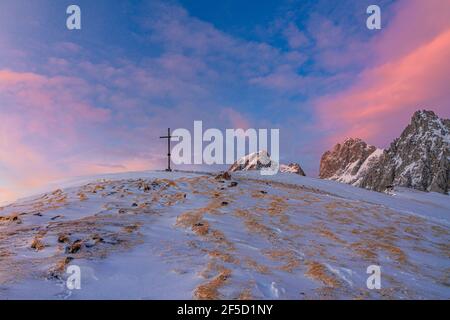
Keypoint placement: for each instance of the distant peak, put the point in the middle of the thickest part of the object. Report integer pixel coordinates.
(261, 159)
(263, 153)
(352, 140)
(424, 114)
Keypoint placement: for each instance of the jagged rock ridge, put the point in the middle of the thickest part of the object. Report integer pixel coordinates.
(292, 168)
(348, 162)
(261, 159)
(418, 159)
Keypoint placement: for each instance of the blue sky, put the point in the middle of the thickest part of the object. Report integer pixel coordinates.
(96, 100)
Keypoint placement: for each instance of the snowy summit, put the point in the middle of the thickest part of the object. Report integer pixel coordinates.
(156, 235)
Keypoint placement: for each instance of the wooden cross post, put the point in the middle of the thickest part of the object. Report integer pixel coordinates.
(168, 137)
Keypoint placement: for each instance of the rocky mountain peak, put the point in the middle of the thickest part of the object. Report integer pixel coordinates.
(347, 161)
(425, 122)
(418, 159)
(352, 141)
(252, 161)
(424, 115)
(292, 168)
(261, 159)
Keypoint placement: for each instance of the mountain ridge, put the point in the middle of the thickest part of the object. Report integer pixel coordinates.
(418, 158)
(261, 160)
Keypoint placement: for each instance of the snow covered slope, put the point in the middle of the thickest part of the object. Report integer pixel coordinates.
(155, 235)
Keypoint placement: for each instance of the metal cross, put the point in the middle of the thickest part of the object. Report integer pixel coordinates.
(168, 137)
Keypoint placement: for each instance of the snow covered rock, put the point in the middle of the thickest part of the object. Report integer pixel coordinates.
(418, 159)
(292, 168)
(252, 161)
(261, 159)
(349, 162)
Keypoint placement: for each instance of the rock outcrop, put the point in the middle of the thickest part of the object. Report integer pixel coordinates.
(348, 162)
(292, 168)
(252, 161)
(260, 160)
(418, 159)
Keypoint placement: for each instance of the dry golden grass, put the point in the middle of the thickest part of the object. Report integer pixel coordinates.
(362, 250)
(287, 257)
(339, 212)
(276, 254)
(257, 266)
(277, 206)
(218, 237)
(254, 224)
(172, 199)
(131, 228)
(327, 233)
(369, 249)
(4, 253)
(143, 205)
(166, 183)
(194, 221)
(61, 265)
(75, 246)
(82, 196)
(335, 205)
(12, 218)
(63, 238)
(210, 289)
(97, 188)
(210, 269)
(439, 231)
(58, 197)
(414, 220)
(294, 189)
(413, 233)
(52, 201)
(345, 220)
(258, 194)
(395, 252)
(37, 244)
(223, 176)
(159, 195)
(225, 257)
(188, 219)
(387, 234)
(201, 228)
(319, 272)
(246, 294)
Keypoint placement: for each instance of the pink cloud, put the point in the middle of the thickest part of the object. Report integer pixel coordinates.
(41, 120)
(68, 47)
(284, 78)
(294, 36)
(13, 78)
(415, 23)
(54, 131)
(382, 99)
(236, 119)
